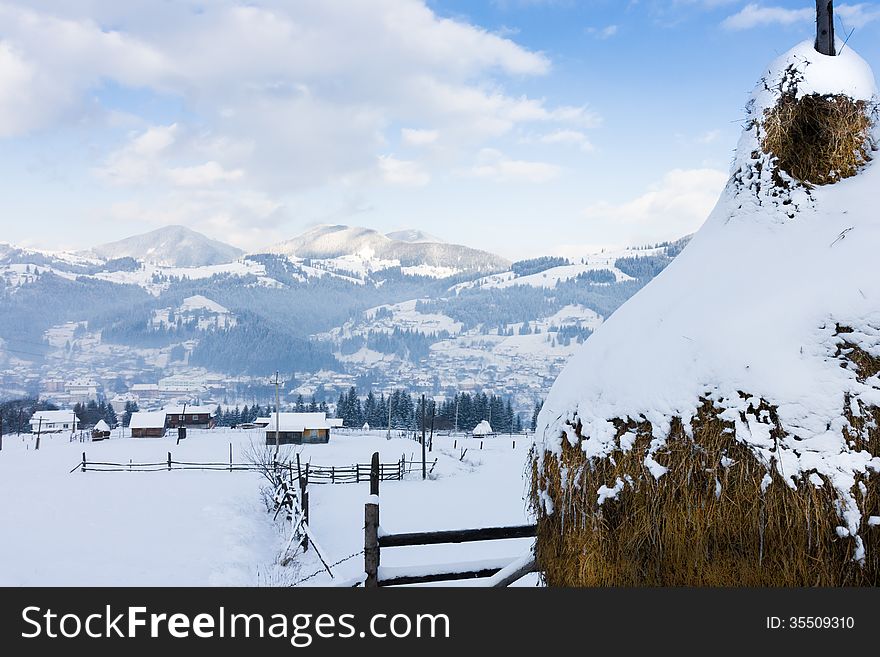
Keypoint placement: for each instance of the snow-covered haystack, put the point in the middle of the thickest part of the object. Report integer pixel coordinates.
(722, 427)
(483, 428)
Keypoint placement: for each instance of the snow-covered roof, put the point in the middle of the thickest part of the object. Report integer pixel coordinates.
(189, 410)
(483, 428)
(147, 420)
(298, 422)
(751, 305)
(53, 417)
(102, 426)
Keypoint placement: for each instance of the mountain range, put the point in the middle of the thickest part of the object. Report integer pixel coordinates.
(335, 306)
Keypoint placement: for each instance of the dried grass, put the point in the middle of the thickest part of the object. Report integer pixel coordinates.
(679, 531)
(818, 139)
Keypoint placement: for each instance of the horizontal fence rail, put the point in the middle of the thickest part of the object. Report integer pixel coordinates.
(498, 572)
(457, 536)
(316, 474)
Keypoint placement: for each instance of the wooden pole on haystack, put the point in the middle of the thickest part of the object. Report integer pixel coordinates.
(825, 27)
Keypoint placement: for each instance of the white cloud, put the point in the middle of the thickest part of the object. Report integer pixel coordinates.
(203, 175)
(755, 15)
(275, 99)
(418, 137)
(163, 155)
(672, 207)
(857, 15)
(709, 137)
(493, 165)
(402, 172)
(569, 137)
(603, 32)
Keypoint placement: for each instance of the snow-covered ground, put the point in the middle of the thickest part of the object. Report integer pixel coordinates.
(194, 528)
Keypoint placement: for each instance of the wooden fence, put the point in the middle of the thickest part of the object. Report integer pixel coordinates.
(315, 474)
(501, 572)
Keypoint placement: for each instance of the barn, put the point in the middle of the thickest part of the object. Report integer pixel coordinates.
(147, 424)
(192, 417)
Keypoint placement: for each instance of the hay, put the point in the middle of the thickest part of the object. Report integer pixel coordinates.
(818, 139)
(700, 524)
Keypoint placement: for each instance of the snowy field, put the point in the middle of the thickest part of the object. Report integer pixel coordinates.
(194, 528)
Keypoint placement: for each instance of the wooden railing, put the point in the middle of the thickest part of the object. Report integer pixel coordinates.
(317, 474)
(502, 572)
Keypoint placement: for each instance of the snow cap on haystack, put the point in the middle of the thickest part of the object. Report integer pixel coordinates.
(761, 338)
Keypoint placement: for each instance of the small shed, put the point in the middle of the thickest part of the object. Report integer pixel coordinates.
(101, 431)
(149, 424)
(483, 429)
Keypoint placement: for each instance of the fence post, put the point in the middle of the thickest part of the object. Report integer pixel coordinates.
(332, 474)
(481, 444)
(304, 503)
(230, 457)
(169, 460)
(84, 462)
(371, 527)
(424, 465)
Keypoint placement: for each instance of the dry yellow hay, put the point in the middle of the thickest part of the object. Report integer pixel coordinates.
(818, 139)
(700, 524)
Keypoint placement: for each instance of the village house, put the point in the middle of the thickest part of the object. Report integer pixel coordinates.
(53, 421)
(298, 429)
(147, 424)
(192, 417)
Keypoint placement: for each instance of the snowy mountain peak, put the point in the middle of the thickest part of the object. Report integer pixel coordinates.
(413, 236)
(338, 241)
(177, 246)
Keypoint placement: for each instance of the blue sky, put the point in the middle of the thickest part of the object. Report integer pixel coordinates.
(521, 126)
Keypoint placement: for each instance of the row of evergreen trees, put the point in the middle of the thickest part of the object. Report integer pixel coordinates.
(463, 412)
(16, 414)
(232, 417)
(93, 412)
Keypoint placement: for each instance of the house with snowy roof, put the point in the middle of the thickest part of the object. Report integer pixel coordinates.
(53, 421)
(298, 429)
(147, 424)
(193, 417)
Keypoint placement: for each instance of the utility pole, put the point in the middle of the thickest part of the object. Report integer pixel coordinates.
(433, 416)
(390, 397)
(825, 27)
(181, 425)
(39, 429)
(456, 412)
(424, 465)
(277, 382)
